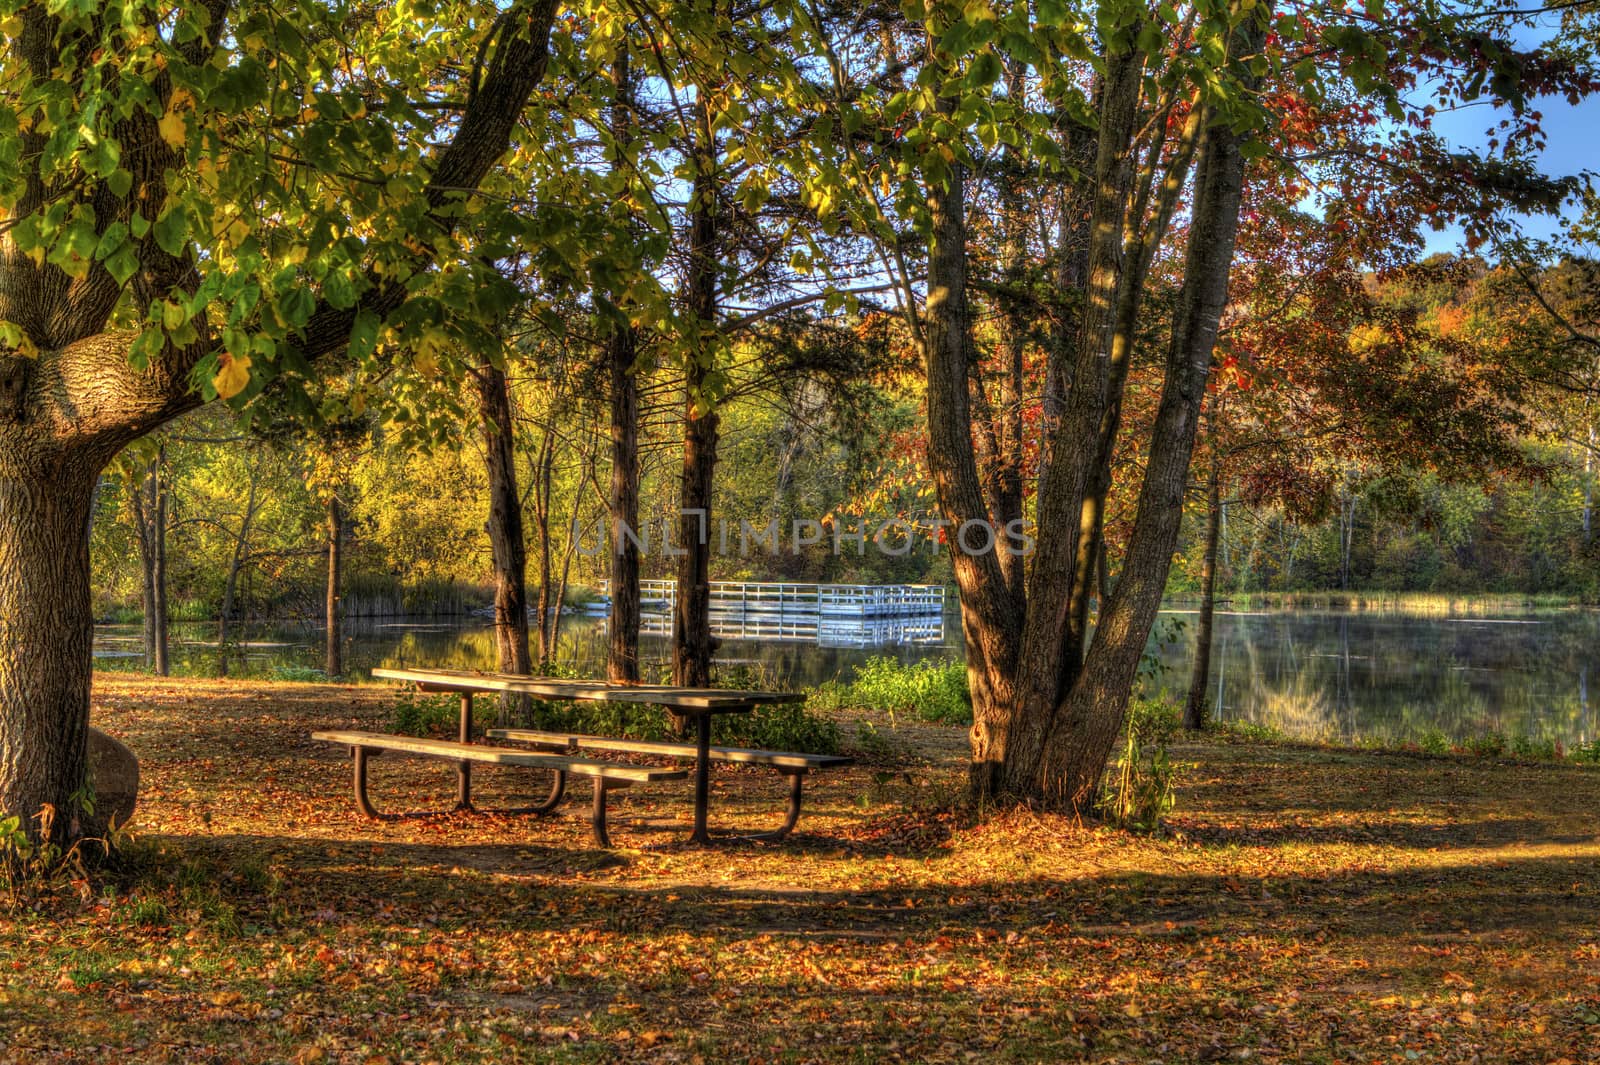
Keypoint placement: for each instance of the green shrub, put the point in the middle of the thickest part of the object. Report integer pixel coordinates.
(780, 727)
(932, 690)
(1487, 745)
(1434, 742)
(1250, 731)
(1586, 752)
(1138, 791)
(31, 872)
(783, 726)
(437, 716)
(1527, 747)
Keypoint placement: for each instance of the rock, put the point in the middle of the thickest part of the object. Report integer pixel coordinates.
(114, 771)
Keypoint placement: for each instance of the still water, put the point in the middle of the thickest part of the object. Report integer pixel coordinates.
(1337, 676)
(1395, 678)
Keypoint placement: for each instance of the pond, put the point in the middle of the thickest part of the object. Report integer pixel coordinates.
(1397, 678)
(1389, 678)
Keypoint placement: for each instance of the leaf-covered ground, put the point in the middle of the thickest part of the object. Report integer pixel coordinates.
(1310, 905)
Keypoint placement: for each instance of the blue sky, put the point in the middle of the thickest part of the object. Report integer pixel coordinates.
(1572, 136)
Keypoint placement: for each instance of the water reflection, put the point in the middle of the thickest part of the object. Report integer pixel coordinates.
(1382, 677)
(289, 650)
(1395, 678)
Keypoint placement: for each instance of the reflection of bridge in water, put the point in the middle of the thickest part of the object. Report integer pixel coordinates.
(828, 615)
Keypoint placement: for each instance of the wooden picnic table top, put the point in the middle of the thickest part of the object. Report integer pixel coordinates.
(682, 700)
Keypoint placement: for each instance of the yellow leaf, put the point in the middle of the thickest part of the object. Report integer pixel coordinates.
(173, 129)
(233, 375)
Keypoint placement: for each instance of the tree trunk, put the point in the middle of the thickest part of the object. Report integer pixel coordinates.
(507, 551)
(150, 514)
(1347, 535)
(46, 633)
(692, 641)
(159, 577)
(543, 474)
(622, 654)
(1195, 711)
(1050, 655)
(990, 618)
(1090, 719)
(333, 660)
(622, 658)
(230, 586)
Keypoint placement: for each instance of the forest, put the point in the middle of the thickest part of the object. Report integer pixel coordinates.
(1116, 289)
(1267, 328)
(251, 510)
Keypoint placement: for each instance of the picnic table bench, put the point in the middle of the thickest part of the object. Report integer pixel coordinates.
(608, 776)
(699, 704)
(791, 764)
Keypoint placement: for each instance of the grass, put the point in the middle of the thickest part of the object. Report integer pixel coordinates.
(1438, 604)
(932, 690)
(1484, 745)
(1305, 904)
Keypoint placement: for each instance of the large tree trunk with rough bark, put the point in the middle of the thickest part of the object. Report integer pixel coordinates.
(989, 615)
(1090, 718)
(507, 550)
(46, 628)
(1047, 713)
(1195, 710)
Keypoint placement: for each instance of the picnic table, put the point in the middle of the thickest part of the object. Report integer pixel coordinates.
(697, 704)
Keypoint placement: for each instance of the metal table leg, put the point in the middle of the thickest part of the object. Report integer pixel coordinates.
(464, 768)
(702, 778)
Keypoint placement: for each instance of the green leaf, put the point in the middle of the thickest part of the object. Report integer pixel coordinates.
(984, 71)
(122, 264)
(172, 230)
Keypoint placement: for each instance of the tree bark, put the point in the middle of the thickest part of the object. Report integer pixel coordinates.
(622, 654)
(1195, 711)
(622, 658)
(990, 618)
(46, 629)
(230, 586)
(692, 642)
(504, 525)
(150, 515)
(1050, 655)
(543, 474)
(333, 658)
(1090, 719)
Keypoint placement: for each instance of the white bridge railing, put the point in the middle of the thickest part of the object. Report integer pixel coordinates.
(832, 615)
